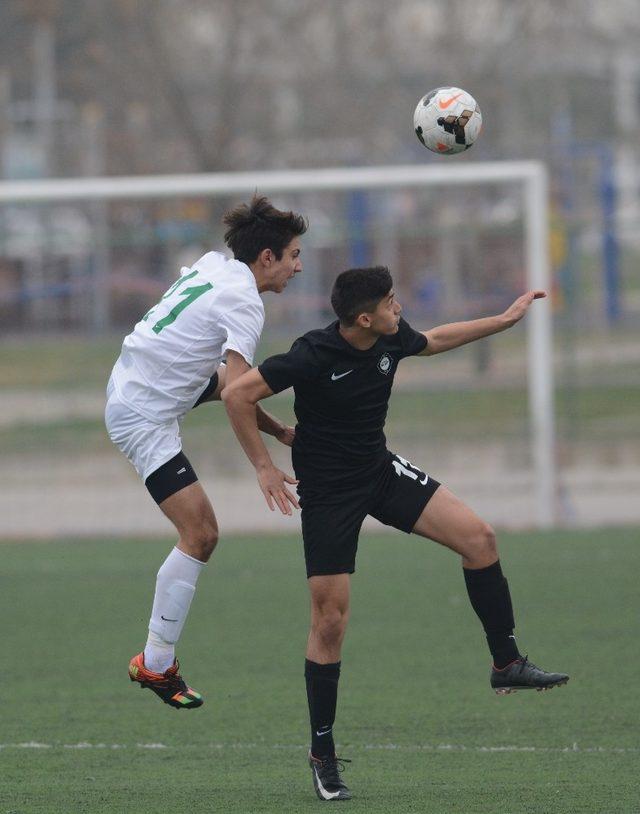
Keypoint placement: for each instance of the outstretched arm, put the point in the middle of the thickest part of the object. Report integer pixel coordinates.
(455, 334)
(240, 398)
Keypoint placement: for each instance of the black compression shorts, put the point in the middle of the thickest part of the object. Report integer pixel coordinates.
(396, 496)
(170, 478)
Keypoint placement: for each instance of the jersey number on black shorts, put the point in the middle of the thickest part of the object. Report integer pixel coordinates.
(404, 467)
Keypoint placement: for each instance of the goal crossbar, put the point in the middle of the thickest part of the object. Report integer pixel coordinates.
(531, 175)
(158, 186)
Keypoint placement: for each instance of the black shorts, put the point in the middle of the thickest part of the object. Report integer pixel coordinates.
(396, 496)
(208, 390)
(170, 478)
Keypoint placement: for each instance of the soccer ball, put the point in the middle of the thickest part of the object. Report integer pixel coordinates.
(447, 120)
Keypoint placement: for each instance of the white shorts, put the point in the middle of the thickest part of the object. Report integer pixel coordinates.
(146, 444)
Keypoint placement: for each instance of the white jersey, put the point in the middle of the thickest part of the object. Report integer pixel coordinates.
(171, 354)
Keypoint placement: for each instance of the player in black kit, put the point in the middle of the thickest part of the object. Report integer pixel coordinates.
(342, 377)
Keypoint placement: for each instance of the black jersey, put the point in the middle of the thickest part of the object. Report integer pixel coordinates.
(341, 400)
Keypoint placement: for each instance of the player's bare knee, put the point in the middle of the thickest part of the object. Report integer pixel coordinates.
(202, 541)
(209, 540)
(331, 635)
(489, 542)
(330, 623)
(482, 548)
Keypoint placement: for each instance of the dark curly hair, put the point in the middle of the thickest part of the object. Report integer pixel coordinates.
(259, 225)
(359, 290)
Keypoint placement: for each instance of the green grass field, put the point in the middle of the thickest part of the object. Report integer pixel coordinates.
(416, 714)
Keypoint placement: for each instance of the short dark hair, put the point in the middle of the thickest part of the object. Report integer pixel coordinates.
(358, 290)
(259, 225)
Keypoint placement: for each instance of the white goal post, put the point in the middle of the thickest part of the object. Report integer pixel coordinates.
(532, 176)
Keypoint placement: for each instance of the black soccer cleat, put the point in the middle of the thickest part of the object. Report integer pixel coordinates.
(326, 778)
(521, 674)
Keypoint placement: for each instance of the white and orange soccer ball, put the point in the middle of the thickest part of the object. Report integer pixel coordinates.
(447, 120)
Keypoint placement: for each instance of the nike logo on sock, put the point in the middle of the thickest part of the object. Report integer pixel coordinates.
(320, 733)
(164, 618)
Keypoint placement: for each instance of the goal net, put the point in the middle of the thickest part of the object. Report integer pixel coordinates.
(461, 241)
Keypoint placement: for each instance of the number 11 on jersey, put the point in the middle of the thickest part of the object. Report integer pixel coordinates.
(190, 294)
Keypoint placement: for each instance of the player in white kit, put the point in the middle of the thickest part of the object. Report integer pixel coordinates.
(200, 336)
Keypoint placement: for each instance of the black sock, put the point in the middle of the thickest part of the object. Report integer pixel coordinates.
(322, 695)
(490, 598)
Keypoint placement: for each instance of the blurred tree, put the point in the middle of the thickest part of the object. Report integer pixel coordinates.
(196, 85)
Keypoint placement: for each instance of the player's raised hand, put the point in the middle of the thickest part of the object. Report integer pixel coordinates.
(518, 309)
(272, 482)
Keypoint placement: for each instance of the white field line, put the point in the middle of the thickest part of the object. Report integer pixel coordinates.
(440, 747)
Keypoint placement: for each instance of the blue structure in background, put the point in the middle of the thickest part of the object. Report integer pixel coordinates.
(610, 248)
(358, 216)
(568, 150)
(565, 177)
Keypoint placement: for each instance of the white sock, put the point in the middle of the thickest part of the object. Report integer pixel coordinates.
(158, 654)
(175, 587)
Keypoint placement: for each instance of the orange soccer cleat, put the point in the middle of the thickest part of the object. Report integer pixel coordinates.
(169, 686)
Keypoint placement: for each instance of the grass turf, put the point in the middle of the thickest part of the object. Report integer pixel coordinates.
(416, 714)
